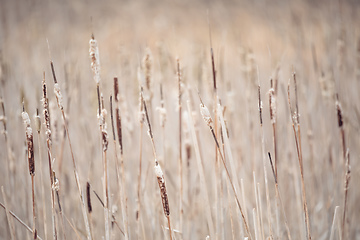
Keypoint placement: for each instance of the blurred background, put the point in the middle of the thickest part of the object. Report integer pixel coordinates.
(253, 41)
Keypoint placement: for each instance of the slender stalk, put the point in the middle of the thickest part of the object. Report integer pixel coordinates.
(263, 161)
(158, 172)
(8, 213)
(180, 145)
(297, 136)
(76, 174)
(18, 219)
(201, 173)
(279, 199)
(122, 184)
(138, 211)
(49, 154)
(346, 188)
(31, 162)
(38, 130)
(207, 118)
(333, 223)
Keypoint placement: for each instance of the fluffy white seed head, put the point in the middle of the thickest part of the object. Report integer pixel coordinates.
(158, 172)
(95, 60)
(26, 119)
(162, 112)
(272, 101)
(58, 95)
(206, 114)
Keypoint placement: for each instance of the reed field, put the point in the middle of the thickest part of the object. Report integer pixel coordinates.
(179, 119)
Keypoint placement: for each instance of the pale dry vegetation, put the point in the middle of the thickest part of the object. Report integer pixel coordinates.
(124, 153)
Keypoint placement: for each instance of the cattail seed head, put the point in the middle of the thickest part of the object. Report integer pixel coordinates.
(58, 95)
(56, 184)
(103, 127)
(162, 112)
(141, 115)
(272, 104)
(147, 69)
(46, 111)
(161, 181)
(30, 142)
(339, 112)
(37, 121)
(206, 114)
(88, 197)
(95, 60)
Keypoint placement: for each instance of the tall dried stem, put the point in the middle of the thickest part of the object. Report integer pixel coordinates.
(296, 128)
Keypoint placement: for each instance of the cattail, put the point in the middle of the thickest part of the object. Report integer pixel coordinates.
(147, 65)
(30, 142)
(161, 181)
(88, 197)
(46, 111)
(206, 115)
(58, 95)
(162, 113)
(272, 104)
(104, 134)
(56, 183)
(30, 150)
(339, 112)
(147, 68)
(37, 120)
(141, 114)
(95, 60)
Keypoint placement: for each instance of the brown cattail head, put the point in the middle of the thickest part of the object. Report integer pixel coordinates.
(161, 181)
(88, 197)
(116, 89)
(103, 128)
(119, 129)
(260, 104)
(46, 110)
(30, 142)
(339, 112)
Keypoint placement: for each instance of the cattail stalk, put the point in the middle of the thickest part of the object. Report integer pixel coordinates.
(217, 163)
(346, 190)
(180, 144)
(8, 213)
(158, 172)
(122, 183)
(141, 120)
(38, 130)
(263, 161)
(104, 144)
(332, 232)
(201, 172)
(76, 173)
(48, 144)
(296, 128)
(208, 120)
(279, 197)
(95, 66)
(31, 161)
